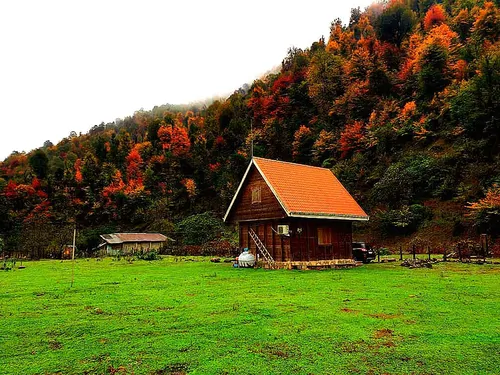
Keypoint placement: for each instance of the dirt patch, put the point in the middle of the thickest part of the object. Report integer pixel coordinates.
(279, 353)
(94, 310)
(274, 351)
(55, 345)
(164, 308)
(354, 346)
(117, 370)
(384, 332)
(347, 310)
(173, 369)
(384, 316)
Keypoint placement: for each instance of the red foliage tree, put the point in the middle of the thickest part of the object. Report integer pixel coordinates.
(175, 139)
(352, 138)
(134, 163)
(116, 185)
(11, 190)
(78, 171)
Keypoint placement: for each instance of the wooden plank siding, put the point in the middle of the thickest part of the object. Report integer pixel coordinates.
(303, 246)
(267, 208)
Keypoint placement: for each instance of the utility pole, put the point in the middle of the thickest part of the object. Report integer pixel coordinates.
(73, 257)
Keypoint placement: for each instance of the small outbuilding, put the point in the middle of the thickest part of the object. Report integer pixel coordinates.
(293, 215)
(132, 242)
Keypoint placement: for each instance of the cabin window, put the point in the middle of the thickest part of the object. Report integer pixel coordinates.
(324, 236)
(256, 196)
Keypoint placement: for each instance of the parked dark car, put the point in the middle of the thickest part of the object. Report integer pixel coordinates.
(363, 252)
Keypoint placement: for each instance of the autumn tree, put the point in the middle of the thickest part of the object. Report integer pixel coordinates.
(433, 60)
(90, 170)
(174, 138)
(395, 22)
(486, 211)
(325, 78)
(134, 164)
(487, 24)
(324, 146)
(39, 162)
(476, 105)
(302, 144)
(436, 15)
(352, 138)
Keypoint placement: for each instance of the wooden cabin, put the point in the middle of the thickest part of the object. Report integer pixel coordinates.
(293, 215)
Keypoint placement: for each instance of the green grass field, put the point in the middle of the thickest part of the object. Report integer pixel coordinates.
(167, 317)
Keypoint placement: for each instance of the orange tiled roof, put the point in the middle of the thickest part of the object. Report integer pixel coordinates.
(304, 190)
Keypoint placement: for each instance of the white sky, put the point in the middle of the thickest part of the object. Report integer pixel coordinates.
(69, 65)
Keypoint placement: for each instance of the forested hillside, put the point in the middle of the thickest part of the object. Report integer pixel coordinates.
(402, 103)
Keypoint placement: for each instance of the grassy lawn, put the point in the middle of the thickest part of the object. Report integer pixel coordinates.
(168, 317)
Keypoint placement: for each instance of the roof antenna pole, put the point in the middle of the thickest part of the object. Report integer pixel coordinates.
(251, 135)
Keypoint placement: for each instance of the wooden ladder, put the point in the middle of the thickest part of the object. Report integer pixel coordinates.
(262, 249)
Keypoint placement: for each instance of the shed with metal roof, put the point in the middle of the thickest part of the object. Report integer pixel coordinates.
(132, 242)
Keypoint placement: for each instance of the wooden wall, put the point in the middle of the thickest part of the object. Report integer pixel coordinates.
(132, 247)
(243, 208)
(300, 247)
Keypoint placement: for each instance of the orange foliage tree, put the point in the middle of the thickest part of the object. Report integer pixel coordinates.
(352, 138)
(134, 163)
(489, 204)
(486, 211)
(434, 16)
(487, 24)
(190, 186)
(175, 139)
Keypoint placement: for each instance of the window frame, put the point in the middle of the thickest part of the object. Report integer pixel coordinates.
(325, 234)
(256, 195)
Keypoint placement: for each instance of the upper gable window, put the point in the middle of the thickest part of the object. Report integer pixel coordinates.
(256, 195)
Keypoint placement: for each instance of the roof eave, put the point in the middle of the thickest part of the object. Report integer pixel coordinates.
(237, 191)
(329, 216)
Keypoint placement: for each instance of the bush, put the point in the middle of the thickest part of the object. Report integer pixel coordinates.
(147, 255)
(199, 229)
(384, 251)
(410, 180)
(221, 248)
(403, 221)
